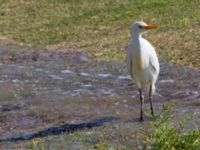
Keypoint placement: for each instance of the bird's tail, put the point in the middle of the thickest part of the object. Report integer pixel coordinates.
(153, 89)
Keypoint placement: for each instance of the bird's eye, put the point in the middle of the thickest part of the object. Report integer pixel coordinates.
(140, 26)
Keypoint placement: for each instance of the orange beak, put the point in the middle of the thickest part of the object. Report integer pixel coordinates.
(150, 27)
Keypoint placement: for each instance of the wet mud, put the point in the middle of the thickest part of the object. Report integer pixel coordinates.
(48, 93)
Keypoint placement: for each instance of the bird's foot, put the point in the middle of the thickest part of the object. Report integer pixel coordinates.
(152, 113)
(141, 118)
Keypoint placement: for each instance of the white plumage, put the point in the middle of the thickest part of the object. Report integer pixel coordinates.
(142, 61)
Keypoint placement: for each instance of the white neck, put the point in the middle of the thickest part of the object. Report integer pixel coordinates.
(136, 35)
(136, 40)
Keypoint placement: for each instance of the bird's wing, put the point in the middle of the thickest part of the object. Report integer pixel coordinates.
(129, 60)
(153, 59)
(154, 64)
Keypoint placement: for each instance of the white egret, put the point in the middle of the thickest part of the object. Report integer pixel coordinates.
(142, 62)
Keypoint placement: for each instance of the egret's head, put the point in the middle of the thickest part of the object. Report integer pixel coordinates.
(141, 27)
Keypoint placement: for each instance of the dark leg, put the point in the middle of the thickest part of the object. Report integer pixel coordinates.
(150, 99)
(142, 102)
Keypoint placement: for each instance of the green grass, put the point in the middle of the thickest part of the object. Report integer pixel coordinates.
(169, 136)
(101, 28)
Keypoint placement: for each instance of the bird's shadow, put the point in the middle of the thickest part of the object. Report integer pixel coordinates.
(66, 128)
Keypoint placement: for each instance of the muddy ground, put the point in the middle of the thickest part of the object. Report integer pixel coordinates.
(67, 100)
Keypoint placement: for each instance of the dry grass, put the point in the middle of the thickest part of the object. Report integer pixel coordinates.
(179, 47)
(101, 28)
